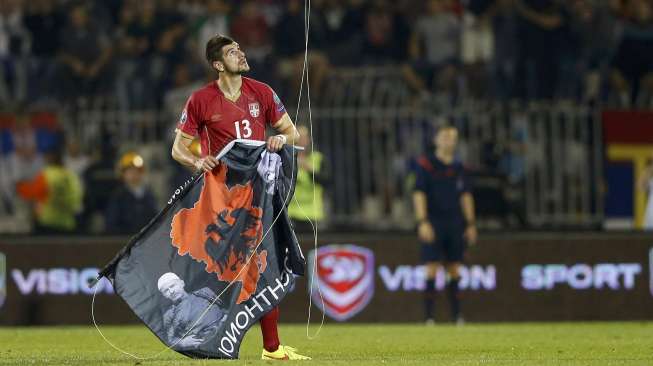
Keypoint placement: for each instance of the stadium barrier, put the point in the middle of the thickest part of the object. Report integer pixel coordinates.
(369, 278)
(537, 165)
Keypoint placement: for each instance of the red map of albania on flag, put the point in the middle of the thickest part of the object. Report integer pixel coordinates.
(222, 231)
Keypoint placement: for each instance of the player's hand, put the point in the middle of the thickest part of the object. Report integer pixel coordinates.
(190, 341)
(206, 164)
(276, 142)
(425, 232)
(471, 235)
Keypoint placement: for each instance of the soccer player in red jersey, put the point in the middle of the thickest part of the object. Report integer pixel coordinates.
(234, 107)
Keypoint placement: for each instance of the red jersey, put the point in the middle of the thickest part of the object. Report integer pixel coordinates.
(217, 120)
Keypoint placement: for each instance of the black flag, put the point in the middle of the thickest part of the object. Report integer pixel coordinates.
(218, 257)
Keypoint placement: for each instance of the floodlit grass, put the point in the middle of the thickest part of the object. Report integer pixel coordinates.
(615, 343)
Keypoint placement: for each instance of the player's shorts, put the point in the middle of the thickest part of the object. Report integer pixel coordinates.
(449, 245)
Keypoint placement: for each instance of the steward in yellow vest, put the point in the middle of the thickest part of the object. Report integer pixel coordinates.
(308, 201)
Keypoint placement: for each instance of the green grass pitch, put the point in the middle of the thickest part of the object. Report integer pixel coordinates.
(615, 343)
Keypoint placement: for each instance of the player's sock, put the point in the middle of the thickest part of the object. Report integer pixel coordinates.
(269, 330)
(454, 297)
(429, 299)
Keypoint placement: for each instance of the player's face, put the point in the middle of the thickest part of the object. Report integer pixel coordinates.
(235, 61)
(447, 139)
(174, 290)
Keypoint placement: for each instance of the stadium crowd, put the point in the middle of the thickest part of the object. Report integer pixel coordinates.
(134, 52)
(130, 55)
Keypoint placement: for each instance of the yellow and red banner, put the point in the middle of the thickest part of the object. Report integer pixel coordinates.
(628, 137)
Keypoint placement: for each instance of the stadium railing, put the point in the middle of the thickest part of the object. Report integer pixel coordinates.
(534, 165)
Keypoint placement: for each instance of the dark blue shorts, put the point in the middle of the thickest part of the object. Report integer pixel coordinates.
(449, 245)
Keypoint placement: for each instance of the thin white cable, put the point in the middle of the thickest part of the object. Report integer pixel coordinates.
(305, 74)
(102, 334)
(307, 26)
(285, 202)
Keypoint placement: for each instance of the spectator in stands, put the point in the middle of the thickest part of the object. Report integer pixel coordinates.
(14, 43)
(135, 34)
(253, 33)
(170, 42)
(85, 56)
(477, 45)
(44, 24)
(632, 75)
(348, 34)
(193, 9)
(101, 14)
(132, 205)
(27, 161)
(594, 25)
(183, 85)
(504, 28)
(21, 158)
(512, 165)
(75, 159)
(385, 34)
(307, 208)
(543, 31)
(215, 21)
(490, 184)
(434, 49)
(334, 12)
(290, 44)
(56, 194)
(99, 179)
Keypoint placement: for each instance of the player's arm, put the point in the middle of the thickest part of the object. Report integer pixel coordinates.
(182, 154)
(467, 205)
(286, 133)
(425, 230)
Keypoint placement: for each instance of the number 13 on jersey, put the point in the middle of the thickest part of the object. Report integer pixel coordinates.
(243, 130)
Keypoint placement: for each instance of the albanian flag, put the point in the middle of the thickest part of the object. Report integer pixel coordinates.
(218, 257)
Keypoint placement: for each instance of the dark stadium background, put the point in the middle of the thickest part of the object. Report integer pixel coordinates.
(553, 101)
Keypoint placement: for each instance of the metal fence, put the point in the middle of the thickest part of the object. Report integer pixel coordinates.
(535, 165)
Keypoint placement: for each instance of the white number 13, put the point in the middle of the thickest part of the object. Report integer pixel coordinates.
(246, 130)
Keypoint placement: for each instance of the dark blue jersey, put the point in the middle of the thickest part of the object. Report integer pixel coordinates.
(443, 185)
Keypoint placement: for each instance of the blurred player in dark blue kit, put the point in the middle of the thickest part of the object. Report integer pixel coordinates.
(444, 209)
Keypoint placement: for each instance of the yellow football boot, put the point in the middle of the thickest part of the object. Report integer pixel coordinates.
(283, 353)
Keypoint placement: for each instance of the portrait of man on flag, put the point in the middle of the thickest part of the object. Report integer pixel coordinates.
(179, 319)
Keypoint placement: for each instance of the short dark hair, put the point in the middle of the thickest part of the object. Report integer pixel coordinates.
(446, 127)
(214, 48)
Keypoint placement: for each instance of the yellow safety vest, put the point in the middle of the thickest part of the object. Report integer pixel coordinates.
(63, 201)
(303, 204)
